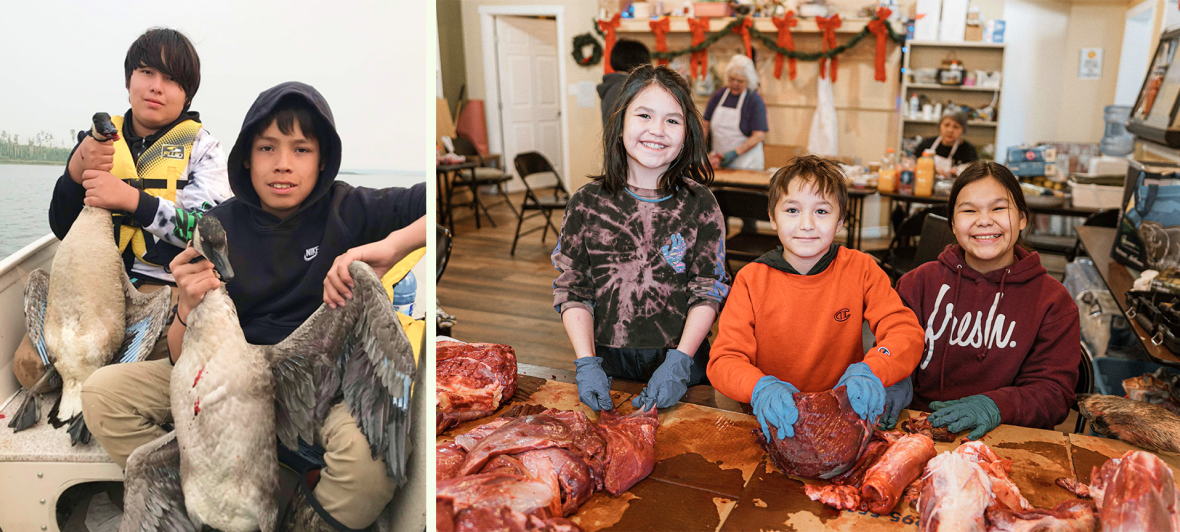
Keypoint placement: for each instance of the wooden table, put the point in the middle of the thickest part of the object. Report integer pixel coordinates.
(1099, 241)
(755, 180)
(711, 474)
(443, 173)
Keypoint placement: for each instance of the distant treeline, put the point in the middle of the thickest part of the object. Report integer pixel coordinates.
(40, 148)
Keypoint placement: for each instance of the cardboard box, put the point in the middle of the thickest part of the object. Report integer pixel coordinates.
(993, 31)
(1025, 154)
(1031, 168)
(974, 32)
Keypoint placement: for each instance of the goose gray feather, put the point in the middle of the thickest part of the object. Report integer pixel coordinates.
(153, 499)
(86, 315)
(230, 399)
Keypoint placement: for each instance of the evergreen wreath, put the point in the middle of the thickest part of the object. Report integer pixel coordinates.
(582, 41)
(770, 42)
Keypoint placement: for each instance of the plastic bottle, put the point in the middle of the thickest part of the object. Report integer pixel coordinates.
(924, 174)
(404, 294)
(915, 106)
(905, 175)
(887, 175)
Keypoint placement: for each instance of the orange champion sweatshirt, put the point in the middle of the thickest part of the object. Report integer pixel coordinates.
(806, 329)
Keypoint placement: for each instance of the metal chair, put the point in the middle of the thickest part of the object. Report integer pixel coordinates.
(483, 175)
(745, 204)
(1085, 384)
(442, 250)
(934, 233)
(532, 166)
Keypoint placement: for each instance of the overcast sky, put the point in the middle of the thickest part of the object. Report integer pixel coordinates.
(62, 61)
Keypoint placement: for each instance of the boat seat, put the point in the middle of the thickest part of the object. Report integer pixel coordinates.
(37, 465)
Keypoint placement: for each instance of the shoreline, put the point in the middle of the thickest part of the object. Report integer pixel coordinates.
(36, 163)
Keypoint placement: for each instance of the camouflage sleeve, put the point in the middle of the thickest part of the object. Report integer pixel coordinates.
(708, 283)
(574, 285)
(208, 185)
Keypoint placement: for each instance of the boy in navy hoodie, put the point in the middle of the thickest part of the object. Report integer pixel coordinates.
(292, 231)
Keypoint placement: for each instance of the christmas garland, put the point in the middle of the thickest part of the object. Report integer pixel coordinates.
(770, 41)
(582, 41)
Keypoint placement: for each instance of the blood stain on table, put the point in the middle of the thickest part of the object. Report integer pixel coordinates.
(1084, 462)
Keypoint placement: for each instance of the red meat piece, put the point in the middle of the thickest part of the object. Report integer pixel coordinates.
(836, 496)
(1136, 492)
(902, 464)
(630, 447)
(448, 457)
(472, 381)
(1069, 516)
(829, 437)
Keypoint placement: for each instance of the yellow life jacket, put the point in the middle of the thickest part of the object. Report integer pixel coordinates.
(158, 173)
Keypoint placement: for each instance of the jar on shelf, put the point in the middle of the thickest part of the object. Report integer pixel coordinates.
(951, 73)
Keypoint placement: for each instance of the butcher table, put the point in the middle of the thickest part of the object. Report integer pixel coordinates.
(711, 475)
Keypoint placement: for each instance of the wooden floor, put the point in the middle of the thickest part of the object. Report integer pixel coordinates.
(505, 299)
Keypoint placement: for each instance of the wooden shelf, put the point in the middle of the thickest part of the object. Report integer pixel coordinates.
(935, 86)
(962, 44)
(969, 122)
(763, 24)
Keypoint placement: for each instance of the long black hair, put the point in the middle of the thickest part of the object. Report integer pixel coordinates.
(693, 161)
(983, 169)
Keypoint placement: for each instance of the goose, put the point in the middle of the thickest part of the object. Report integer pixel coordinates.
(84, 314)
(230, 399)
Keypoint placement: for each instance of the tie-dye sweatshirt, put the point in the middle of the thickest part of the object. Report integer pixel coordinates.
(639, 261)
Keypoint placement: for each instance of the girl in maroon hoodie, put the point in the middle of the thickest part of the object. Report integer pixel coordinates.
(1003, 341)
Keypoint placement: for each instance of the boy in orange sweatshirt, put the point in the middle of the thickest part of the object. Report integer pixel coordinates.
(793, 319)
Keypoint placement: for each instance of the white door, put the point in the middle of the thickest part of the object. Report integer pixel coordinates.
(530, 112)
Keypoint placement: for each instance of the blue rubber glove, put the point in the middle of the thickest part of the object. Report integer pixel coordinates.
(897, 397)
(774, 404)
(865, 391)
(729, 157)
(593, 384)
(668, 383)
(974, 411)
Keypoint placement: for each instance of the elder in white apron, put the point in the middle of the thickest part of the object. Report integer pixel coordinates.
(951, 150)
(737, 144)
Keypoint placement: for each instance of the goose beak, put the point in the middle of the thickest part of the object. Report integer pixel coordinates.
(222, 267)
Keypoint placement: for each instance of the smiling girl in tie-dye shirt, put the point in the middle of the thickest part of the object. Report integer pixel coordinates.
(641, 253)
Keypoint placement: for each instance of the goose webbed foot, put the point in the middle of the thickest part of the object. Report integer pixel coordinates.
(78, 431)
(27, 414)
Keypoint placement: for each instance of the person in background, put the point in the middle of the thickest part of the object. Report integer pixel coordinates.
(1002, 335)
(624, 57)
(735, 118)
(793, 321)
(641, 254)
(951, 150)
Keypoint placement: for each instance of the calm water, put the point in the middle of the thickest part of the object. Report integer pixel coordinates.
(25, 192)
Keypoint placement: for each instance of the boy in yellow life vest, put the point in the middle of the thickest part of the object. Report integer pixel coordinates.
(164, 171)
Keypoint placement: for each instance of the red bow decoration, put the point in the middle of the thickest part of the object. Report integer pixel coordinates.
(698, 26)
(880, 27)
(743, 28)
(661, 28)
(828, 26)
(607, 27)
(785, 40)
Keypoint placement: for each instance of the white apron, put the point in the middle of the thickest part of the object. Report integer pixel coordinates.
(944, 164)
(727, 135)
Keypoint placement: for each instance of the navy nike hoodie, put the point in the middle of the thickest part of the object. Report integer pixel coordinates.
(280, 265)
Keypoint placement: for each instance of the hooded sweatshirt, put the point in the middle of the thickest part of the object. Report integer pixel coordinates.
(608, 91)
(806, 329)
(1011, 334)
(280, 265)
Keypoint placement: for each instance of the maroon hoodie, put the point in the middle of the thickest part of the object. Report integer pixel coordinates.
(1011, 334)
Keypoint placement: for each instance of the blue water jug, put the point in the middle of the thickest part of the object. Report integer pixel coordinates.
(404, 294)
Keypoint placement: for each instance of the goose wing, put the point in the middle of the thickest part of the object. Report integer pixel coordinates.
(146, 317)
(154, 500)
(361, 349)
(36, 296)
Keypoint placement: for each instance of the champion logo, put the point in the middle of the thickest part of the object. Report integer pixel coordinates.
(310, 253)
(884, 350)
(843, 314)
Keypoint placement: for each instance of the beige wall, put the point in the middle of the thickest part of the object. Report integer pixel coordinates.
(1091, 25)
(450, 42)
